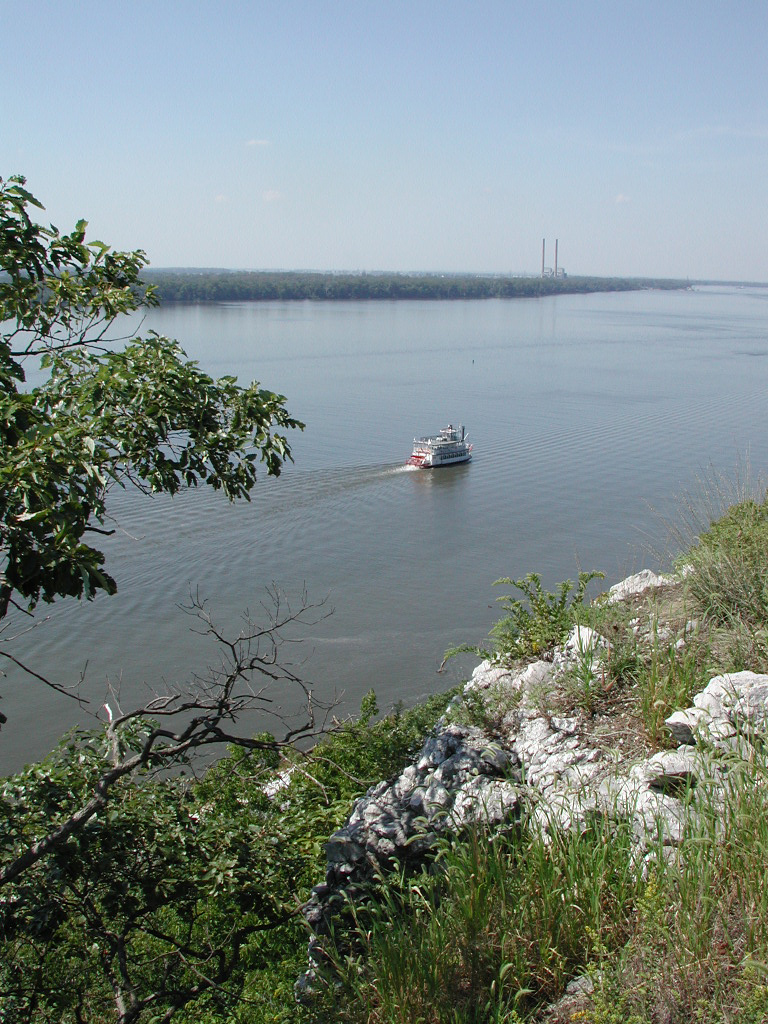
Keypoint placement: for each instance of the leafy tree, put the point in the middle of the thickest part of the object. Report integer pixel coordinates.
(180, 900)
(123, 898)
(149, 908)
(140, 415)
(135, 413)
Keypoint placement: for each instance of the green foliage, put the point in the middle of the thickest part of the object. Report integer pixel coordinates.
(726, 570)
(672, 677)
(141, 416)
(493, 930)
(742, 529)
(148, 906)
(181, 893)
(366, 750)
(534, 625)
(56, 288)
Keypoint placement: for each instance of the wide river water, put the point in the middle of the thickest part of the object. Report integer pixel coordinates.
(590, 416)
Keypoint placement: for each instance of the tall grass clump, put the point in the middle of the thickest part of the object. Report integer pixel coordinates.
(728, 569)
(699, 949)
(722, 528)
(494, 928)
(712, 496)
(672, 676)
(727, 580)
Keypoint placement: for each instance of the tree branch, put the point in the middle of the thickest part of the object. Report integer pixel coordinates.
(215, 706)
(58, 687)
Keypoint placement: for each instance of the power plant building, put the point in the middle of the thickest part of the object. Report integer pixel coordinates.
(550, 271)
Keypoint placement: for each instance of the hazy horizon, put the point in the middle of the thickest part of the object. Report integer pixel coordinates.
(441, 273)
(420, 137)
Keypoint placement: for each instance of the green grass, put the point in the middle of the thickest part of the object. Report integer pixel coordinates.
(502, 922)
(497, 927)
(700, 939)
(494, 928)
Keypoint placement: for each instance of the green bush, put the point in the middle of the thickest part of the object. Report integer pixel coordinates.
(727, 572)
(183, 889)
(534, 624)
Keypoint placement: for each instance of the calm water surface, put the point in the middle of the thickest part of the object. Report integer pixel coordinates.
(589, 415)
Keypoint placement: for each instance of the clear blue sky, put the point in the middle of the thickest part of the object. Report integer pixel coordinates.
(379, 134)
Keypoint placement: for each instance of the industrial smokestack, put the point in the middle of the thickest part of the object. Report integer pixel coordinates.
(543, 246)
(555, 257)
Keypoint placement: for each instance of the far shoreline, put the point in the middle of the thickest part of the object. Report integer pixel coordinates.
(190, 285)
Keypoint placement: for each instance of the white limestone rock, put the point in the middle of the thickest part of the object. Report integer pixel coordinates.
(481, 800)
(501, 681)
(729, 706)
(582, 642)
(639, 583)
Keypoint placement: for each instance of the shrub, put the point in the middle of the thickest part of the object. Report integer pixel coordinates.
(534, 625)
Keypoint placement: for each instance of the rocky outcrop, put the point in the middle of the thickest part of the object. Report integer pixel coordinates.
(501, 751)
(461, 776)
(726, 714)
(640, 583)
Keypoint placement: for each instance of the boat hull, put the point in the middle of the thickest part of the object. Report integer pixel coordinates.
(435, 462)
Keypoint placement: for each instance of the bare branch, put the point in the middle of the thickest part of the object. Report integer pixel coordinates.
(208, 713)
(67, 691)
(62, 337)
(97, 529)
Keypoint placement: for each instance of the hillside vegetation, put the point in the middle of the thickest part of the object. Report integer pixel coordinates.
(494, 928)
(532, 923)
(511, 918)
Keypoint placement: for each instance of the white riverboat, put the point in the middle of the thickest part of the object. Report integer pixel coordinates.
(444, 449)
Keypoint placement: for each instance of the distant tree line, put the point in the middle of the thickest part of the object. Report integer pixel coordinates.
(238, 285)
